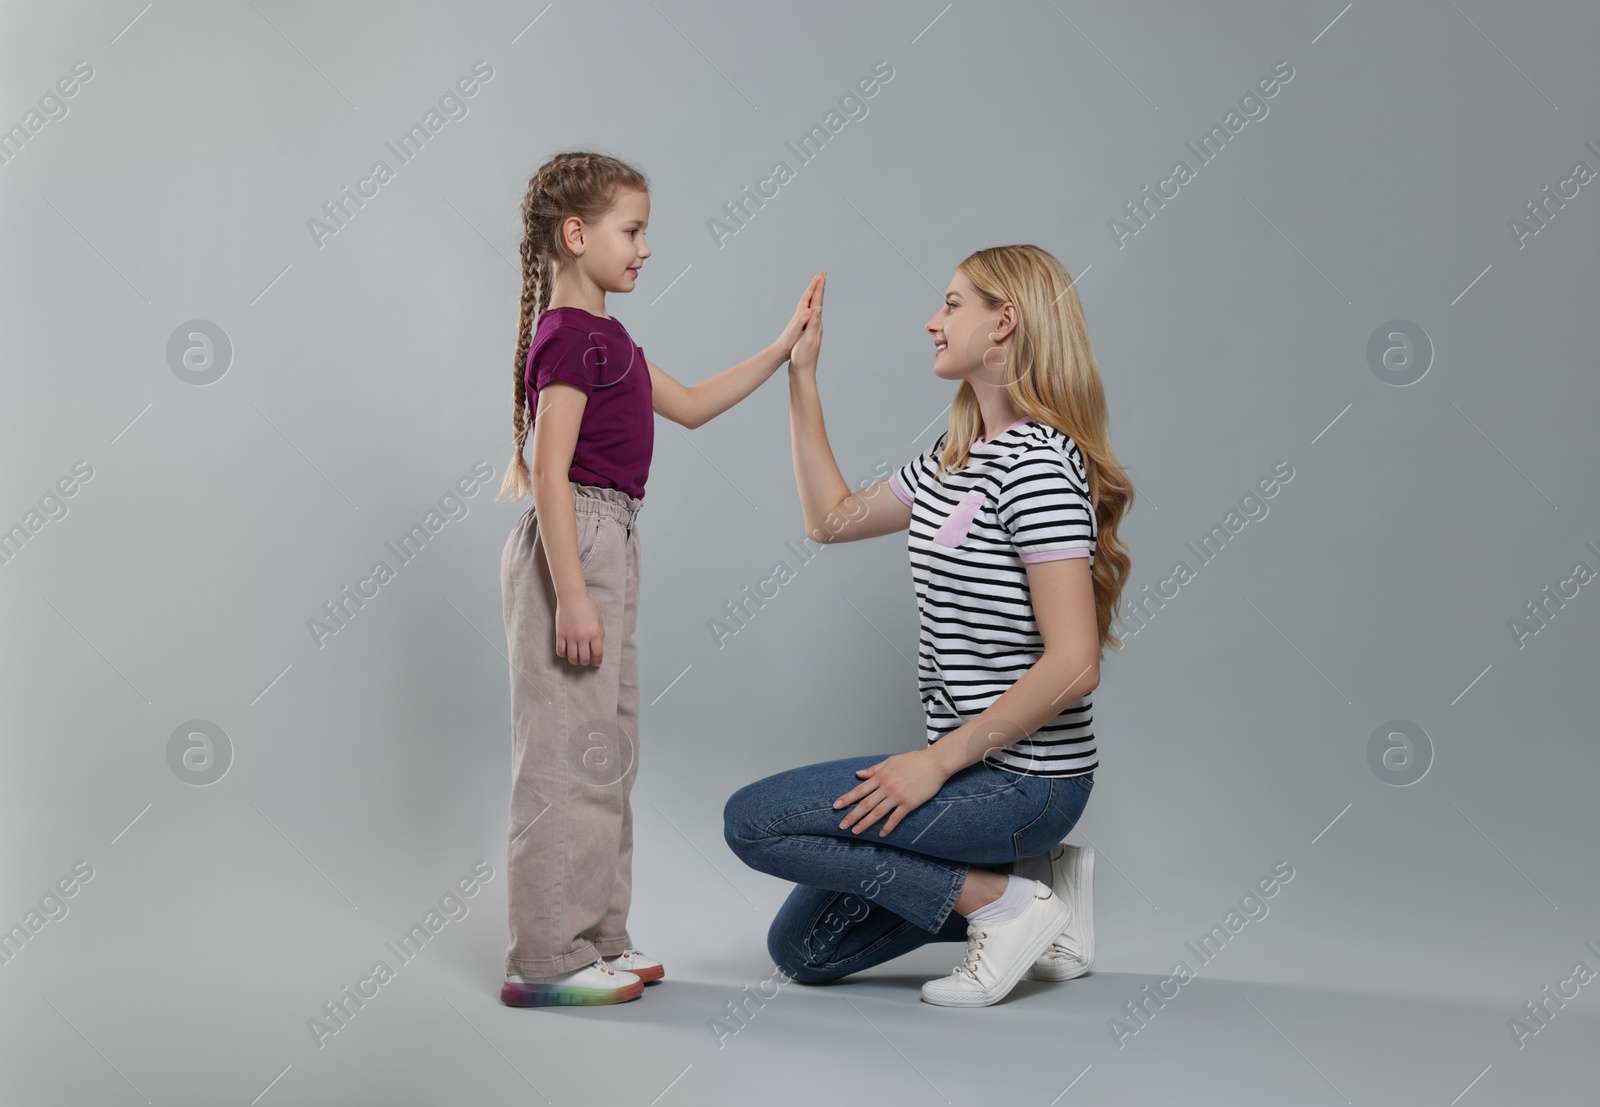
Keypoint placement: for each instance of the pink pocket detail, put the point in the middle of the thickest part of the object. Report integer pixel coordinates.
(954, 530)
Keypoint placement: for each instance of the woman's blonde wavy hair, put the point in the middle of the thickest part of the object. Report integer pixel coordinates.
(1052, 378)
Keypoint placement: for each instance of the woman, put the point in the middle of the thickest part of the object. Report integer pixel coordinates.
(1012, 515)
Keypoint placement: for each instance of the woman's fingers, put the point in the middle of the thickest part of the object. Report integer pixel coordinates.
(868, 805)
(884, 804)
(859, 790)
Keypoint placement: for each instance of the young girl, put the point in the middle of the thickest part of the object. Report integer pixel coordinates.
(570, 577)
(1013, 517)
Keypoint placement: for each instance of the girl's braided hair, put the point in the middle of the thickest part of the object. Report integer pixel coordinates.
(578, 183)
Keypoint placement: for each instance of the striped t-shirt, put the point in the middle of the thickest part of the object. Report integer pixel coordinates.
(1023, 497)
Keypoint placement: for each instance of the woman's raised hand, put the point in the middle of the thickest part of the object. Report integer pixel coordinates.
(804, 353)
(791, 332)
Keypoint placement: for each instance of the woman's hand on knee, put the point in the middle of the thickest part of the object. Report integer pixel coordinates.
(894, 787)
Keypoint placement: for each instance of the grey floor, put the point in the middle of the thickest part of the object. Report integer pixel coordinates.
(179, 988)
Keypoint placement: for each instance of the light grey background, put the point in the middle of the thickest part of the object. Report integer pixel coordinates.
(371, 373)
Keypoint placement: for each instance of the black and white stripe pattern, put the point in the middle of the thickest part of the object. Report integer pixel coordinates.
(1023, 497)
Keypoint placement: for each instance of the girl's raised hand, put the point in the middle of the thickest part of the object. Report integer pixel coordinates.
(791, 333)
(804, 354)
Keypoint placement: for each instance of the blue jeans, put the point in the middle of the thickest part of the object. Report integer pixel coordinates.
(863, 899)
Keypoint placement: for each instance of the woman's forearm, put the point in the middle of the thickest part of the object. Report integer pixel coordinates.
(1043, 692)
(711, 397)
(821, 485)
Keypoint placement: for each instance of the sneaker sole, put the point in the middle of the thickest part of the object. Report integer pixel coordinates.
(1084, 894)
(513, 994)
(650, 976)
(1003, 989)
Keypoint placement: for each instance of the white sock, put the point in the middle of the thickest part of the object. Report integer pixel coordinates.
(1012, 902)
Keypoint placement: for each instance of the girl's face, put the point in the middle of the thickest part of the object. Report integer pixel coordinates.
(970, 338)
(614, 248)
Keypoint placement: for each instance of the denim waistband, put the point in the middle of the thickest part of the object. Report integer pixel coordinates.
(613, 502)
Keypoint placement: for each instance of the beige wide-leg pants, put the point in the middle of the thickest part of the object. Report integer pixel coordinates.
(575, 745)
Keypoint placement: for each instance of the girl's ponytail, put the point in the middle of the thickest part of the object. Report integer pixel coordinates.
(577, 183)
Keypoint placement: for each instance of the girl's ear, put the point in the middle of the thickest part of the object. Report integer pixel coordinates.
(572, 233)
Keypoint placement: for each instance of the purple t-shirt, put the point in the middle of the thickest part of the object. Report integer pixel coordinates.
(596, 354)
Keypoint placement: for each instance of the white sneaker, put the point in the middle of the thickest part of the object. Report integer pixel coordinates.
(997, 954)
(647, 969)
(591, 985)
(1072, 952)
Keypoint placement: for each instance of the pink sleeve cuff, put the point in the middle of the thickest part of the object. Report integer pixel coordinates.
(1053, 555)
(899, 492)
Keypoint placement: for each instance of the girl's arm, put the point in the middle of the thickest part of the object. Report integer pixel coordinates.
(695, 405)
(832, 513)
(580, 631)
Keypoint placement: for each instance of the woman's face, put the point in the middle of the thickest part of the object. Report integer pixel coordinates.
(970, 338)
